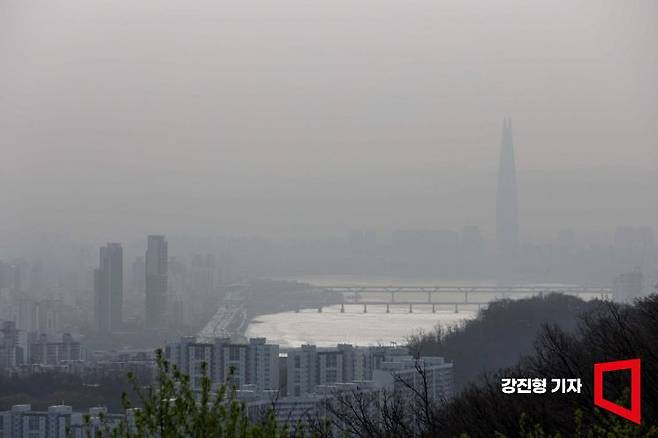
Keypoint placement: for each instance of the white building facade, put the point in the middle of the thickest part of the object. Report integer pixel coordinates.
(255, 363)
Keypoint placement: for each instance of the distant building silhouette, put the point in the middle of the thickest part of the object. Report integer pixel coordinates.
(137, 281)
(628, 286)
(156, 281)
(108, 289)
(507, 209)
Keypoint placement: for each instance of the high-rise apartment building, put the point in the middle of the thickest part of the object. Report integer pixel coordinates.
(301, 367)
(255, 363)
(262, 364)
(108, 289)
(13, 346)
(156, 281)
(309, 366)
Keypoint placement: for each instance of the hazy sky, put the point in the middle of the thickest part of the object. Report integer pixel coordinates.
(119, 118)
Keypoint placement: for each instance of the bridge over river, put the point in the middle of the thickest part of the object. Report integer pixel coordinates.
(453, 296)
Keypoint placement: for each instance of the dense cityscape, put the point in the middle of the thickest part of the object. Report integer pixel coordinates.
(106, 332)
(369, 219)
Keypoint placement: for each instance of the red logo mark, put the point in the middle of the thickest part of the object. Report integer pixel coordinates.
(634, 413)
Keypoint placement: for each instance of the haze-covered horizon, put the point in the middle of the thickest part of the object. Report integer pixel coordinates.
(120, 119)
(592, 204)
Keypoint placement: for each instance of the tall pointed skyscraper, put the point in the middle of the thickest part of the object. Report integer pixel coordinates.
(507, 208)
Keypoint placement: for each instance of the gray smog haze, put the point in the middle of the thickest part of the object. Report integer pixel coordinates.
(295, 118)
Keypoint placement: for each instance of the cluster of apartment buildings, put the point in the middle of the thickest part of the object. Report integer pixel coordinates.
(259, 366)
(27, 350)
(298, 384)
(25, 353)
(56, 422)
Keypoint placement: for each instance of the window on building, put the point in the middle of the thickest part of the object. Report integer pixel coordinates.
(331, 376)
(331, 361)
(33, 422)
(199, 353)
(234, 353)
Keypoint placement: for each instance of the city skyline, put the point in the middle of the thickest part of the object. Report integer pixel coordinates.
(304, 218)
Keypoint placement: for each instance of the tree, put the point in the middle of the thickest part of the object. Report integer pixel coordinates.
(608, 332)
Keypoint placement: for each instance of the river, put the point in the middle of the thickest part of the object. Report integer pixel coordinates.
(291, 329)
(331, 326)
